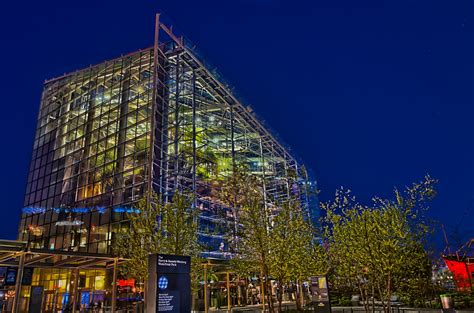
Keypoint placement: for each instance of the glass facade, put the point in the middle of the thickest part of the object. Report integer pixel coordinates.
(108, 134)
(58, 287)
(206, 131)
(90, 154)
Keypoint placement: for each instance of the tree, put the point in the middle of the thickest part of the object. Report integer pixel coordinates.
(159, 227)
(295, 255)
(274, 239)
(379, 249)
(284, 247)
(139, 237)
(179, 225)
(244, 192)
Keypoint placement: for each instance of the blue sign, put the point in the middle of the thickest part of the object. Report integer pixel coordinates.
(170, 287)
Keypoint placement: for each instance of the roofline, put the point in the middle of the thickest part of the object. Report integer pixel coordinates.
(181, 44)
(237, 102)
(47, 81)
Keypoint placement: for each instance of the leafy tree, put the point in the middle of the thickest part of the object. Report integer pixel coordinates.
(139, 237)
(179, 225)
(244, 193)
(379, 249)
(158, 227)
(275, 239)
(236, 191)
(283, 246)
(294, 253)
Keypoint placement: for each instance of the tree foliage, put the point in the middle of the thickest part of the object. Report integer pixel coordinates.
(275, 238)
(159, 227)
(295, 254)
(379, 249)
(138, 238)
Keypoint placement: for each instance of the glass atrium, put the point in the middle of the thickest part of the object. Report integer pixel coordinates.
(156, 119)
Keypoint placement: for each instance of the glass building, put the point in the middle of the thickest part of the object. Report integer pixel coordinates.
(157, 119)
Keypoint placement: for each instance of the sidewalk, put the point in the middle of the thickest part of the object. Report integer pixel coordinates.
(291, 305)
(250, 308)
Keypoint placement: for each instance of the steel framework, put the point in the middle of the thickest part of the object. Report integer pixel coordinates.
(156, 119)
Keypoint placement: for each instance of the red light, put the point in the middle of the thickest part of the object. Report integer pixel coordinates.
(126, 282)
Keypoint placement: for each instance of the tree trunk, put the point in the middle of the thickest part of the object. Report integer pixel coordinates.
(268, 286)
(365, 301)
(298, 295)
(193, 297)
(301, 296)
(389, 293)
(373, 298)
(280, 295)
(382, 296)
(263, 291)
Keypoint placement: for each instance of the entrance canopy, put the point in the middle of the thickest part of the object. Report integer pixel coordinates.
(11, 250)
(15, 253)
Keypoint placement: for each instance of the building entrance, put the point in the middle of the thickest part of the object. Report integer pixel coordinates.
(71, 281)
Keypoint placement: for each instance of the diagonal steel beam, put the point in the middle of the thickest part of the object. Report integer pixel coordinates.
(90, 263)
(37, 258)
(68, 260)
(9, 256)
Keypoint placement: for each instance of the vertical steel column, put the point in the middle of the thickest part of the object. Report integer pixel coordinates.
(176, 124)
(228, 292)
(264, 185)
(232, 139)
(122, 136)
(262, 158)
(206, 306)
(19, 278)
(84, 163)
(235, 209)
(114, 286)
(286, 180)
(74, 290)
(151, 154)
(194, 139)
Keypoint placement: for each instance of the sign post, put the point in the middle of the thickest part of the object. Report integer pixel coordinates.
(169, 284)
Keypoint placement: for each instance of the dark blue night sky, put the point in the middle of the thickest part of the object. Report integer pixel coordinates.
(369, 94)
